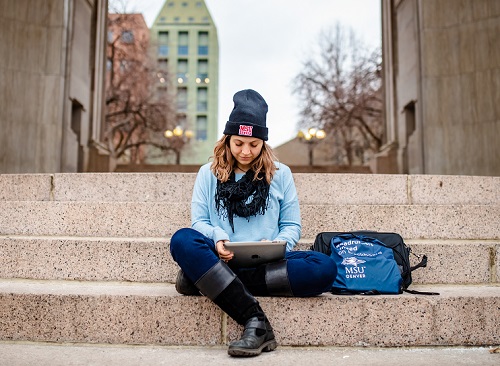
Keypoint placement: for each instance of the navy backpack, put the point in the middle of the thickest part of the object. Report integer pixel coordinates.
(369, 262)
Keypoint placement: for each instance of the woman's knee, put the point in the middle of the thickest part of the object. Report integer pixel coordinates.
(181, 239)
(329, 269)
(325, 271)
(315, 263)
(311, 273)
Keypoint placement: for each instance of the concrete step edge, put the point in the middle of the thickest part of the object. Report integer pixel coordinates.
(96, 288)
(301, 242)
(50, 354)
(86, 238)
(59, 354)
(125, 288)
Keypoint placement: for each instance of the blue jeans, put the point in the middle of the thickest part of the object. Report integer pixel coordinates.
(309, 273)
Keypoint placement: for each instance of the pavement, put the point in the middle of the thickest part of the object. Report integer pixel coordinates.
(45, 354)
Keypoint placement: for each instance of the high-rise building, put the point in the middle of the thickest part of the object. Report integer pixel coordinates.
(184, 42)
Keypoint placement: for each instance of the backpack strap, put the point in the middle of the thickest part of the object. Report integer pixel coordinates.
(346, 292)
(415, 292)
(422, 263)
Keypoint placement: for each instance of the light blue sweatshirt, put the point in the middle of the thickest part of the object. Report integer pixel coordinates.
(281, 221)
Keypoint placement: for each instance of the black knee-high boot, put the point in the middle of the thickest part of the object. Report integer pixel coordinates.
(221, 285)
(267, 280)
(185, 286)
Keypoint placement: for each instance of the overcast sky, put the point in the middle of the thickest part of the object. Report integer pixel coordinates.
(262, 44)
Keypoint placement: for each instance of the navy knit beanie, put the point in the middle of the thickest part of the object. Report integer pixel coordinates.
(248, 117)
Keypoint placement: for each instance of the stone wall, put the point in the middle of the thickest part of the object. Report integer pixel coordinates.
(461, 86)
(442, 81)
(48, 83)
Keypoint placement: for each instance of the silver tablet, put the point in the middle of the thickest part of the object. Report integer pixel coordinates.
(254, 253)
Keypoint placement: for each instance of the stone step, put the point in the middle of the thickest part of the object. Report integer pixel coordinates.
(84, 259)
(149, 260)
(63, 354)
(337, 189)
(162, 219)
(128, 313)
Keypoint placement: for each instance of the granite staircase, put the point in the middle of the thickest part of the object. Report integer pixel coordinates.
(84, 259)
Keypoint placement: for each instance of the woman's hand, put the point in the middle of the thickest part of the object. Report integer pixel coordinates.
(223, 253)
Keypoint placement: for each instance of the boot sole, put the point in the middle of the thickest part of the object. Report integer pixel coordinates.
(245, 352)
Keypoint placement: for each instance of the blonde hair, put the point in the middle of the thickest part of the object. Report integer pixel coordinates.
(223, 161)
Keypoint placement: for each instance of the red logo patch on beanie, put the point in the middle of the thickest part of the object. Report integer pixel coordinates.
(245, 130)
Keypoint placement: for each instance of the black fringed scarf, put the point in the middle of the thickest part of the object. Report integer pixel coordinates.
(232, 198)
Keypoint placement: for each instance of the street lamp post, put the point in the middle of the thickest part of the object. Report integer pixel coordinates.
(311, 138)
(177, 139)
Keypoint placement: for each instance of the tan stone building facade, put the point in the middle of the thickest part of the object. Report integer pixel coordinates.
(442, 87)
(51, 84)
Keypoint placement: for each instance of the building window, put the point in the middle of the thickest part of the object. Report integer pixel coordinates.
(182, 120)
(182, 71)
(202, 100)
(184, 4)
(191, 19)
(163, 65)
(183, 44)
(198, 4)
(161, 92)
(163, 37)
(109, 64)
(182, 99)
(162, 77)
(162, 73)
(202, 74)
(201, 128)
(110, 36)
(163, 50)
(162, 43)
(203, 43)
(127, 36)
(170, 4)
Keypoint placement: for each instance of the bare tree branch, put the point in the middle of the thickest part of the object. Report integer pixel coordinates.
(139, 107)
(339, 90)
